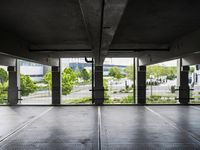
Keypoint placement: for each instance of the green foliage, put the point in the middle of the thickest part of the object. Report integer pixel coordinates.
(192, 69)
(84, 100)
(130, 72)
(115, 72)
(48, 79)
(68, 80)
(77, 72)
(127, 100)
(157, 99)
(105, 85)
(27, 85)
(3, 75)
(3, 92)
(124, 100)
(158, 71)
(194, 101)
(85, 75)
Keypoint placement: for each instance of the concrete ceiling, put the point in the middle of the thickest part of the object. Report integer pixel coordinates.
(99, 28)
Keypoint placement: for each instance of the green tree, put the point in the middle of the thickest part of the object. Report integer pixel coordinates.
(192, 69)
(158, 71)
(27, 85)
(3, 75)
(77, 72)
(105, 85)
(115, 72)
(68, 80)
(129, 72)
(85, 75)
(48, 79)
(171, 72)
(3, 93)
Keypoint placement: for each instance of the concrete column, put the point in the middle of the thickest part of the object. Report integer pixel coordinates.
(141, 84)
(14, 76)
(56, 85)
(99, 88)
(183, 83)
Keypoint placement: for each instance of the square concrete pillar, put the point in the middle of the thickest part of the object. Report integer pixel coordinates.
(56, 85)
(13, 94)
(141, 84)
(99, 88)
(184, 89)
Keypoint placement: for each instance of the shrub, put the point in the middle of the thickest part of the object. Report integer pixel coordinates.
(3, 75)
(3, 92)
(69, 79)
(84, 100)
(27, 85)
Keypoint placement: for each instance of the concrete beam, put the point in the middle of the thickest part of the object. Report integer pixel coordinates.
(75, 46)
(92, 16)
(7, 61)
(123, 54)
(192, 59)
(187, 44)
(182, 47)
(113, 11)
(155, 57)
(139, 46)
(63, 53)
(13, 46)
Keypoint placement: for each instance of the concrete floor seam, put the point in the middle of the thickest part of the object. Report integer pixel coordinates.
(24, 125)
(174, 125)
(99, 128)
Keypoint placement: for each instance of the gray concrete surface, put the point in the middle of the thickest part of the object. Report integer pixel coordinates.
(106, 127)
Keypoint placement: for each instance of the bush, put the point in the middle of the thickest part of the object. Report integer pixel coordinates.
(85, 75)
(157, 99)
(27, 85)
(3, 75)
(68, 80)
(48, 79)
(114, 92)
(124, 100)
(105, 84)
(122, 90)
(154, 98)
(84, 100)
(127, 100)
(115, 72)
(3, 92)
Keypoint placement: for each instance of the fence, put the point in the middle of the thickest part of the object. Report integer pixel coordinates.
(195, 95)
(41, 96)
(161, 94)
(80, 94)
